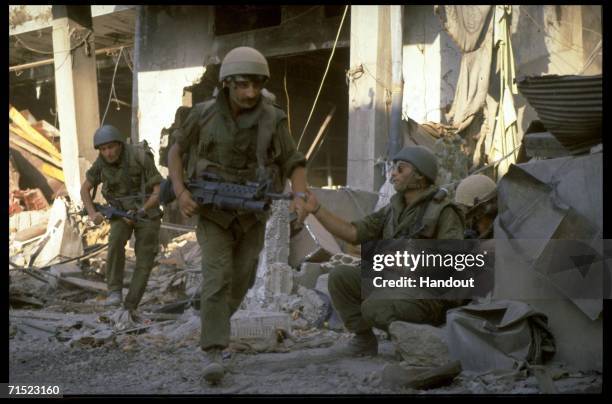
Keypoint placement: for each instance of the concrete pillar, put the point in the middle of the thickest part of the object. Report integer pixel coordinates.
(76, 89)
(174, 45)
(370, 64)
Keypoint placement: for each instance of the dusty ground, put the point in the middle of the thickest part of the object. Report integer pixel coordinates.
(65, 337)
(149, 363)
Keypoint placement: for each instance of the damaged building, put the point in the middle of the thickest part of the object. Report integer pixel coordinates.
(512, 92)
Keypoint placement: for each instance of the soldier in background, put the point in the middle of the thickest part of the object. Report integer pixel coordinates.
(476, 195)
(123, 170)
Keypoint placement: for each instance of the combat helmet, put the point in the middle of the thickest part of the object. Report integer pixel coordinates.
(244, 60)
(474, 190)
(421, 158)
(106, 134)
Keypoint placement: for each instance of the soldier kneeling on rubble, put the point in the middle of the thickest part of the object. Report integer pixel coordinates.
(476, 195)
(123, 168)
(419, 209)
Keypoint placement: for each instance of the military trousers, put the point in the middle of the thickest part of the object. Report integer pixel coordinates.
(360, 315)
(229, 266)
(146, 248)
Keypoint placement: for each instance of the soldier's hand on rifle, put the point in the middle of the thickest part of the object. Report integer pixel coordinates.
(96, 218)
(128, 221)
(186, 203)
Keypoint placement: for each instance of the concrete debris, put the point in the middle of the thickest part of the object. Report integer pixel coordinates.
(249, 324)
(14, 202)
(420, 344)
(62, 237)
(33, 232)
(310, 305)
(33, 199)
(186, 328)
(25, 220)
(312, 244)
(307, 275)
(276, 242)
(35, 152)
(279, 280)
(290, 312)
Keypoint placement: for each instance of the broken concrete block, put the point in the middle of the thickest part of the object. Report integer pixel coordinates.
(34, 199)
(420, 344)
(67, 269)
(25, 220)
(30, 233)
(64, 270)
(312, 244)
(278, 280)
(258, 324)
(61, 239)
(276, 242)
(314, 306)
(308, 275)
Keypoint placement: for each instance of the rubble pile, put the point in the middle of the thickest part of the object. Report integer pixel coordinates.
(61, 298)
(35, 163)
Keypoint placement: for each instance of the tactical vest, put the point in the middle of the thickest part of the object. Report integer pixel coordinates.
(427, 220)
(205, 156)
(131, 179)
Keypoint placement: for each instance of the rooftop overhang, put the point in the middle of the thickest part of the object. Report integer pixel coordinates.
(30, 31)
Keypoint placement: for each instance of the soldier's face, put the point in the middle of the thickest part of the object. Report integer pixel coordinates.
(244, 93)
(110, 151)
(402, 176)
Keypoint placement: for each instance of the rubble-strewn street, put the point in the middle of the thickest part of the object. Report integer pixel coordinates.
(154, 363)
(253, 199)
(61, 334)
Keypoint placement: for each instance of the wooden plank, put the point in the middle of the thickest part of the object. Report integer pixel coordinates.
(326, 122)
(35, 151)
(39, 141)
(53, 172)
(31, 135)
(30, 233)
(28, 116)
(85, 284)
(47, 128)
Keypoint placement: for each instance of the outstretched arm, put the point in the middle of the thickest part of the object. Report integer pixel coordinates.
(334, 224)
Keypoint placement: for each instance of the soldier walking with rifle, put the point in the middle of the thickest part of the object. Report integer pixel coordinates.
(241, 137)
(122, 169)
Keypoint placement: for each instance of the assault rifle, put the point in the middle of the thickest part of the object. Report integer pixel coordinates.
(110, 212)
(210, 190)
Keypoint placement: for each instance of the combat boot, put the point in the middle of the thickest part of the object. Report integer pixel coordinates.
(213, 369)
(113, 299)
(362, 344)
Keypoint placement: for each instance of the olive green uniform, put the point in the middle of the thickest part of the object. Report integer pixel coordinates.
(396, 220)
(231, 240)
(125, 178)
